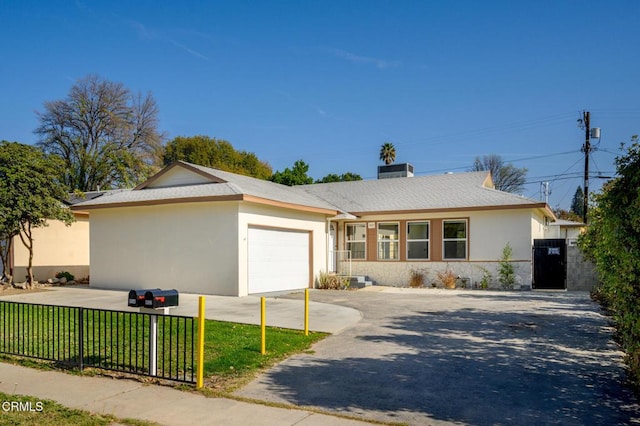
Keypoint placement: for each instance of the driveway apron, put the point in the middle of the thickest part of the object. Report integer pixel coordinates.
(426, 356)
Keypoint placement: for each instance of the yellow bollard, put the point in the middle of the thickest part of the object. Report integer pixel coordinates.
(306, 311)
(263, 325)
(200, 378)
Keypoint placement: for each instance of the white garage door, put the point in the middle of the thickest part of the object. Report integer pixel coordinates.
(278, 260)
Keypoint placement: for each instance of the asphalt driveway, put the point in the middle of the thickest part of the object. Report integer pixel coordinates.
(461, 357)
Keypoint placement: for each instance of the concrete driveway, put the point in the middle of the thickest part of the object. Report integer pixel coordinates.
(430, 356)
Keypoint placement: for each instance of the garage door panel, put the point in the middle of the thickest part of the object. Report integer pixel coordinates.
(278, 260)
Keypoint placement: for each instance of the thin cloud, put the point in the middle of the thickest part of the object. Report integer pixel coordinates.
(189, 50)
(141, 29)
(145, 33)
(358, 59)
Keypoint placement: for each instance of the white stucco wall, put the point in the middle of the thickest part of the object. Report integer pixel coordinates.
(492, 230)
(190, 246)
(251, 214)
(56, 248)
(488, 233)
(566, 232)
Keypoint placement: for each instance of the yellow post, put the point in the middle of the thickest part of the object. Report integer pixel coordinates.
(306, 311)
(263, 325)
(200, 378)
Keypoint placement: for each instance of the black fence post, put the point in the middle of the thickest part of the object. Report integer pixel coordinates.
(81, 338)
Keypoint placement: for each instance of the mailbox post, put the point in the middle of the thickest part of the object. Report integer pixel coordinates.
(154, 302)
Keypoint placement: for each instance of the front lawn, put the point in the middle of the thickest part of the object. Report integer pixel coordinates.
(232, 351)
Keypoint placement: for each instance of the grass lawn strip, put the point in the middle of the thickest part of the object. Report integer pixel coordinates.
(37, 412)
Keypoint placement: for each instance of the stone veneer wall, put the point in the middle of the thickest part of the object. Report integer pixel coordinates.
(398, 273)
(581, 273)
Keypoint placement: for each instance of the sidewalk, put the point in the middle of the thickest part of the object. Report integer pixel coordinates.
(131, 399)
(281, 312)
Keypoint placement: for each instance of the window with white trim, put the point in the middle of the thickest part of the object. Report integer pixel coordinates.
(454, 239)
(356, 240)
(388, 243)
(417, 240)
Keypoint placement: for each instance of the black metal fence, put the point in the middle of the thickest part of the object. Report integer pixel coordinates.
(99, 338)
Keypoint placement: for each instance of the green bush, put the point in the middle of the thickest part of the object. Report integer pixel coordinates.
(612, 242)
(485, 281)
(65, 274)
(507, 272)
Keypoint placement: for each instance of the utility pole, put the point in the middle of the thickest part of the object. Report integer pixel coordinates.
(587, 150)
(544, 191)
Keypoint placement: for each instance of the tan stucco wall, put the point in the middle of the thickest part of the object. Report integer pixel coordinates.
(56, 248)
(190, 246)
(263, 215)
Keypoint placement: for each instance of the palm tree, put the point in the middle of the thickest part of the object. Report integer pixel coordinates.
(388, 153)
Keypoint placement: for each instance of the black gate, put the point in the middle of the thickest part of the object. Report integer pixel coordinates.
(550, 264)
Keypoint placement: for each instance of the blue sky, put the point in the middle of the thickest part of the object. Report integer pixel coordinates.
(330, 81)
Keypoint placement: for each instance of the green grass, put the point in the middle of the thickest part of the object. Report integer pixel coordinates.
(37, 412)
(232, 350)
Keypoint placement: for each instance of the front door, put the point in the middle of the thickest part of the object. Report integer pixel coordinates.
(550, 264)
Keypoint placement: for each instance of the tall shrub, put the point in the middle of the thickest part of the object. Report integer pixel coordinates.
(507, 272)
(612, 242)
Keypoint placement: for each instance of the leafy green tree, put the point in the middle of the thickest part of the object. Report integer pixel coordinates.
(577, 204)
(506, 177)
(215, 153)
(387, 153)
(507, 272)
(30, 193)
(612, 242)
(106, 136)
(297, 175)
(345, 177)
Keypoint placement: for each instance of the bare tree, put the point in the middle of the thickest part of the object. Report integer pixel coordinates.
(106, 136)
(506, 177)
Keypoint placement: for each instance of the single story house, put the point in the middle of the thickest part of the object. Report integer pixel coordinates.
(207, 231)
(57, 247)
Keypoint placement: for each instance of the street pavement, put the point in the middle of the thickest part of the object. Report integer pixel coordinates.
(427, 356)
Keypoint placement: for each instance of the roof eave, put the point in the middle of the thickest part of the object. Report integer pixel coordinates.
(217, 198)
(541, 206)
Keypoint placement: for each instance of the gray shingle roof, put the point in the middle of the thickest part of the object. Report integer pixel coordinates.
(233, 185)
(439, 192)
(447, 191)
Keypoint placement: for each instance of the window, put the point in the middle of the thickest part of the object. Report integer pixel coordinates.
(388, 241)
(356, 240)
(418, 240)
(454, 239)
